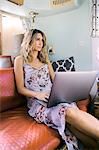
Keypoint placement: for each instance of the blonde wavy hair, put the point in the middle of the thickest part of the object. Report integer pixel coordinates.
(26, 46)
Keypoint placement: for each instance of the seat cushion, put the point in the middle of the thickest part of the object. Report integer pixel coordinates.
(18, 131)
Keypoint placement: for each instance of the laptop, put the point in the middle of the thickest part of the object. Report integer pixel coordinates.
(71, 86)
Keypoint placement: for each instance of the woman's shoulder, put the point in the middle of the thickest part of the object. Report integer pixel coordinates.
(18, 59)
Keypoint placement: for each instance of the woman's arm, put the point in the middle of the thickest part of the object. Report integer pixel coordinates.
(19, 76)
(51, 71)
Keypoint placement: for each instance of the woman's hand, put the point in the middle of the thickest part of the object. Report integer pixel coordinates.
(42, 96)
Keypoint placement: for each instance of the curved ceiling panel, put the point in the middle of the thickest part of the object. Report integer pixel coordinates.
(46, 7)
(43, 7)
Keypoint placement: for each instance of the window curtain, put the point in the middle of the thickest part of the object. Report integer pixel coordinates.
(95, 18)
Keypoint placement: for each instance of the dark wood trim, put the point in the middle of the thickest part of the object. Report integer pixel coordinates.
(18, 2)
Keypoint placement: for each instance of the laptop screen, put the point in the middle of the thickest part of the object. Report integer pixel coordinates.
(71, 86)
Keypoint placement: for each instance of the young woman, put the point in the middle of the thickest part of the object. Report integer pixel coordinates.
(34, 75)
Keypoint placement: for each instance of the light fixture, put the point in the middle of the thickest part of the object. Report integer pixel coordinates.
(59, 3)
(50, 50)
(33, 15)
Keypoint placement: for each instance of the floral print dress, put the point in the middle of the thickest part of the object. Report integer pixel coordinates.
(55, 117)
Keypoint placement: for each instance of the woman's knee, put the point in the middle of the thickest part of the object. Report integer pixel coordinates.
(71, 114)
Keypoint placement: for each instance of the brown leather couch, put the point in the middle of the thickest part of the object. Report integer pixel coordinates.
(18, 131)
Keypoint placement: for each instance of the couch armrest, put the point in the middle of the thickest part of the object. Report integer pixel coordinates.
(8, 102)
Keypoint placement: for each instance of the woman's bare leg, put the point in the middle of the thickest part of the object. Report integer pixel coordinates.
(83, 121)
(87, 141)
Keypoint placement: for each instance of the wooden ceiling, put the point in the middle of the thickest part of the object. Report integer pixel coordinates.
(18, 2)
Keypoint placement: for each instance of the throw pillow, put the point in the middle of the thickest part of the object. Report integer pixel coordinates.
(64, 64)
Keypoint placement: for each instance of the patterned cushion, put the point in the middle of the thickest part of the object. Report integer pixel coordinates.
(64, 64)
